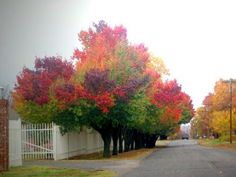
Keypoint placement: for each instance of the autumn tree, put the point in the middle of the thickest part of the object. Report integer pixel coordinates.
(216, 107)
(111, 71)
(116, 88)
(34, 91)
(176, 105)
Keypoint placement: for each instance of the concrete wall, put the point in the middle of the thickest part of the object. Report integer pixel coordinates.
(15, 158)
(76, 143)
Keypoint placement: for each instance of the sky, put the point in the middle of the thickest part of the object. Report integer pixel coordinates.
(195, 38)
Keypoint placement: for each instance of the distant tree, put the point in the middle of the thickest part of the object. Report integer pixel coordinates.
(216, 106)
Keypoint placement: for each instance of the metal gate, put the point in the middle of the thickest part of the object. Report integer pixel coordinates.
(37, 141)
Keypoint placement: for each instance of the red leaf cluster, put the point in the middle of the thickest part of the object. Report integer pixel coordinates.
(171, 114)
(168, 96)
(99, 46)
(168, 93)
(104, 101)
(54, 67)
(65, 93)
(119, 92)
(33, 85)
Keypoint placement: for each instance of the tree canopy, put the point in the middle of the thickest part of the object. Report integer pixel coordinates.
(214, 114)
(116, 87)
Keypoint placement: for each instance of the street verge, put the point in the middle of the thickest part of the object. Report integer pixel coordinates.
(216, 143)
(40, 171)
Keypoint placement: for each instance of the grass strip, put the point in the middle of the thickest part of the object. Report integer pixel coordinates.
(216, 143)
(38, 171)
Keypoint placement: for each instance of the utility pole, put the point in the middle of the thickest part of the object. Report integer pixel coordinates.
(230, 110)
(231, 81)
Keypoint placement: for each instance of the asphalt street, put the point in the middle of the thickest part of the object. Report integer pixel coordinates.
(181, 158)
(184, 158)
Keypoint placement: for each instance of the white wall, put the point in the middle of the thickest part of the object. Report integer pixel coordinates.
(76, 143)
(71, 144)
(15, 158)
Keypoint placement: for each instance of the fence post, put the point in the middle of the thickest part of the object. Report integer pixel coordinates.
(4, 135)
(54, 140)
(15, 144)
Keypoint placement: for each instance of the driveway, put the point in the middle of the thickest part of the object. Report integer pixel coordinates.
(181, 158)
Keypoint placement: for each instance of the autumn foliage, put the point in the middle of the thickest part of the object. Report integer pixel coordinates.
(213, 116)
(115, 87)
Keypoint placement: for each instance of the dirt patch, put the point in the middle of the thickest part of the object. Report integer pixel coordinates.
(91, 156)
(130, 155)
(135, 154)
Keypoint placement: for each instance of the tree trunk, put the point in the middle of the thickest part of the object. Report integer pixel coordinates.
(115, 140)
(106, 137)
(151, 141)
(132, 142)
(163, 137)
(126, 145)
(138, 140)
(120, 141)
(127, 138)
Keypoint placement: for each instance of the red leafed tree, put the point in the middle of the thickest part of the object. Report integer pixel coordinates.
(99, 47)
(35, 88)
(168, 95)
(111, 71)
(174, 103)
(33, 85)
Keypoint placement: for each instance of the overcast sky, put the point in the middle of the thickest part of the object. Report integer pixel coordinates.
(196, 39)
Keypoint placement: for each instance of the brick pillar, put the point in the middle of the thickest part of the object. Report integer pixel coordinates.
(4, 137)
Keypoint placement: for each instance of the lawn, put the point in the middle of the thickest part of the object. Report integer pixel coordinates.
(38, 171)
(218, 144)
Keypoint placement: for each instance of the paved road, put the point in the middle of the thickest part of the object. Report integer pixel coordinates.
(184, 158)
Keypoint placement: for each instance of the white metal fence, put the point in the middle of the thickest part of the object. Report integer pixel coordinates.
(37, 141)
(44, 141)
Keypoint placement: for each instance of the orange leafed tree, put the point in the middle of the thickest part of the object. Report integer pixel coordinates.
(216, 110)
